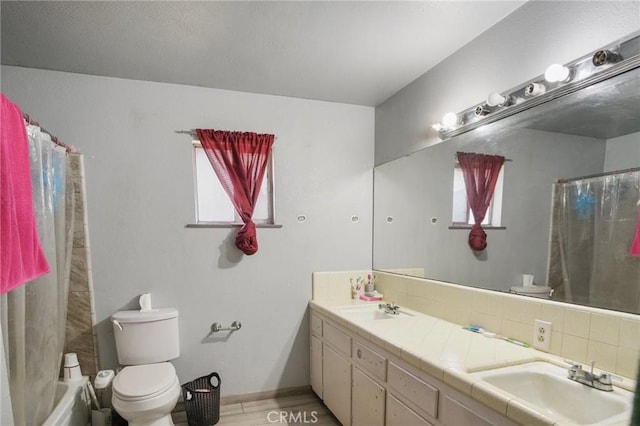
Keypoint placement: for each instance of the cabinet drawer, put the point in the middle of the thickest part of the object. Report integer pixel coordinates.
(456, 413)
(399, 414)
(413, 389)
(337, 339)
(370, 361)
(316, 325)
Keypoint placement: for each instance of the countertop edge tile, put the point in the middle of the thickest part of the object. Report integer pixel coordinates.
(458, 380)
(523, 414)
(490, 397)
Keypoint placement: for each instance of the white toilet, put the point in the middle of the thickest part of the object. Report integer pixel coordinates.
(147, 389)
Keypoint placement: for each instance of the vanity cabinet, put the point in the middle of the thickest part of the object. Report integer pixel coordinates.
(363, 385)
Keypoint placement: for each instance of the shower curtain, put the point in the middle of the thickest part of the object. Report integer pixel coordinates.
(34, 315)
(595, 224)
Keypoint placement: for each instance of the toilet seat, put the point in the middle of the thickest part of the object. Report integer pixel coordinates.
(144, 382)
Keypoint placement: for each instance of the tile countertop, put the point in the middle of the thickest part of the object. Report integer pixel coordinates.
(448, 352)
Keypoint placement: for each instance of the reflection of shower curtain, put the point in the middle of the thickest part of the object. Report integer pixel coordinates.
(595, 224)
(34, 315)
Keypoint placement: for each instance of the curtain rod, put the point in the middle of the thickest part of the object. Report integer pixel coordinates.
(597, 175)
(506, 159)
(54, 139)
(193, 133)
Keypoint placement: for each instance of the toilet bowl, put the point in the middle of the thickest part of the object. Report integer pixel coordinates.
(542, 292)
(145, 395)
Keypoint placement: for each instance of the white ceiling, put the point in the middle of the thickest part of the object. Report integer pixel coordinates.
(359, 52)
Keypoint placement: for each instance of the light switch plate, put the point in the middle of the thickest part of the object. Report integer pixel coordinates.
(542, 335)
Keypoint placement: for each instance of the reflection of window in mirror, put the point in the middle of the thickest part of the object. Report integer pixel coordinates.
(462, 215)
(212, 202)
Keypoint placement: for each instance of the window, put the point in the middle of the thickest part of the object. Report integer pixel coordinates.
(213, 205)
(462, 215)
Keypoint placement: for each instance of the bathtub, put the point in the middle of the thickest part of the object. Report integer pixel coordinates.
(72, 404)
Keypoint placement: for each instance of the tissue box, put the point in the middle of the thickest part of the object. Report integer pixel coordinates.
(377, 297)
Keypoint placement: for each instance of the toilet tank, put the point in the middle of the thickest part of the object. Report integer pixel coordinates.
(145, 337)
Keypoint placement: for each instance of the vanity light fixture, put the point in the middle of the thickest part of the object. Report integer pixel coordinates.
(450, 119)
(558, 80)
(482, 110)
(534, 89)
(557, 73)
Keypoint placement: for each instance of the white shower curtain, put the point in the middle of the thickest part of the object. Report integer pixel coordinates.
(596, 219)
(34, 315)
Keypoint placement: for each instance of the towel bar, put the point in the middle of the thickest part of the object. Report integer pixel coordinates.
(216, 326)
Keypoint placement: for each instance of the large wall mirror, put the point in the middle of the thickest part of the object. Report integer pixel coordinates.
(573, 236)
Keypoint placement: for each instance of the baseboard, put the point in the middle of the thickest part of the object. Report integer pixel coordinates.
(257, 396)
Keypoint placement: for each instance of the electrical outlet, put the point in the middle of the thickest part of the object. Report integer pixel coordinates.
(542, 335)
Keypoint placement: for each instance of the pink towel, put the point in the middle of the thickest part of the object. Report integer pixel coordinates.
(635, 245)
(21, 257)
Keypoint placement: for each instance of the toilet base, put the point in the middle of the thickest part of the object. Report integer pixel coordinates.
(163, 421)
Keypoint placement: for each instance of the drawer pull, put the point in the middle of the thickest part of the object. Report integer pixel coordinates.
(359, 353)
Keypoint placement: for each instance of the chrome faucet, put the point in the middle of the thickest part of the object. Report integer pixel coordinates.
(601, 382)
(390, 308)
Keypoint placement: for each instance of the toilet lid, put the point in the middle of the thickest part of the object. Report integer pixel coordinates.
(143, 381)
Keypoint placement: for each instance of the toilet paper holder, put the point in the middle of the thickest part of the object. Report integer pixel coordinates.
(216, 326)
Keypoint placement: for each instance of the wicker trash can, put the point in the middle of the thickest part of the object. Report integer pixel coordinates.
(202, 400)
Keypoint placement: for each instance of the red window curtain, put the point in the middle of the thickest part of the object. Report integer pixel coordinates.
(239, 159)
(480, 173)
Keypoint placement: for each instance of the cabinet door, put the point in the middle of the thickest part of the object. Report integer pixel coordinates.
(367, 400)
(399, 414)
(316, 365)
(336, 381)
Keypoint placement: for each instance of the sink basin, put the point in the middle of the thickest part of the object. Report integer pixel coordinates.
(369, 313)
(545, 388)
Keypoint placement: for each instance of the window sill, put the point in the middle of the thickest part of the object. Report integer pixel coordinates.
(470, 226)
(229, 225)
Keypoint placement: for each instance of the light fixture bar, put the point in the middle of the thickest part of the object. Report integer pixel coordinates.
(584, 72)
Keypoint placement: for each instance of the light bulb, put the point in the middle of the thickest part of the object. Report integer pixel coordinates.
(556, 72)
(450, 119)
(437, 127)
(496, 99)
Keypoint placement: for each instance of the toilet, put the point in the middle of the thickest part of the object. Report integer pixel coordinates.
(147, 389)
(541, 292)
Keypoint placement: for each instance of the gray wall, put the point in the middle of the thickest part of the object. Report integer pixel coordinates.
(140, 197)
(623, 152)
(418, 187)
(515, 50)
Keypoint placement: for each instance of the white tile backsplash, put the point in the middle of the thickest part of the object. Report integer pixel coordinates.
(577, 322)
(630, 334)
(605, 329)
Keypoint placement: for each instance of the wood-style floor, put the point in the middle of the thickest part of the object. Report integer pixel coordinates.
(302, 409)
